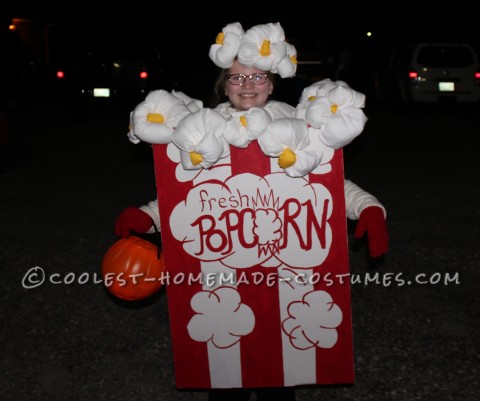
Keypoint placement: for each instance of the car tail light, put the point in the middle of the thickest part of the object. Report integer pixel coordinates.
(60, 74)
(413, 75)
(477, 76)
(144, 74)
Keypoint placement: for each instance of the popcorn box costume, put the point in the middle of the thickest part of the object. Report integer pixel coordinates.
(253, 224)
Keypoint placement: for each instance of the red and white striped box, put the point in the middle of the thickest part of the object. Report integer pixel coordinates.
(257, 272)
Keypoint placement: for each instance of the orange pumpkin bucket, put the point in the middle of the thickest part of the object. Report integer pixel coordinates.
(132, 268)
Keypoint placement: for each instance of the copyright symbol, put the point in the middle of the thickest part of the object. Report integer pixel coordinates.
(34, 277)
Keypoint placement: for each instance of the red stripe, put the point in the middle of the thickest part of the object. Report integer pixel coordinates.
(249, 160)
(190, 357)
(262, 360)
(261, 351)
(335, 365)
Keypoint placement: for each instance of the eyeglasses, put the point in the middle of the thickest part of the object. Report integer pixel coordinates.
(255, 79)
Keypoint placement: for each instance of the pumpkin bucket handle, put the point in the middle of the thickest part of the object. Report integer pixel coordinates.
(159, 239)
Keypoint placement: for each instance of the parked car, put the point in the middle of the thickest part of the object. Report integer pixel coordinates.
(102, 69)
(96, 80)
(429, 73)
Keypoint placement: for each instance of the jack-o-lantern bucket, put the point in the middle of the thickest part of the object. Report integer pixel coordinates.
(132, 268)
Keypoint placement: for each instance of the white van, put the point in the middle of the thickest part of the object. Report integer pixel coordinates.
(432, 73)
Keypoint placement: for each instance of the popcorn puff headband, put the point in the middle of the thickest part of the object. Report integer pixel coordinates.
(262, 46)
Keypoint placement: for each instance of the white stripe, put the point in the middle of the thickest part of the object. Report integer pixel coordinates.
(299, 366)
(224, 363)
(225, 366)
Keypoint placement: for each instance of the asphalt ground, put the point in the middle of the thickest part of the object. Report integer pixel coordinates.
(416, 328)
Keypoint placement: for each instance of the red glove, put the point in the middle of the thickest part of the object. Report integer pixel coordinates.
(132, 219)
(372, 221)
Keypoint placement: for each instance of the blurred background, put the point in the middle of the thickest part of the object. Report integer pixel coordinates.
(68, 57)
(82, 65)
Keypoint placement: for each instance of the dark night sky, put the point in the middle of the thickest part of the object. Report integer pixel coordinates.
(333, 19)
(184, 34)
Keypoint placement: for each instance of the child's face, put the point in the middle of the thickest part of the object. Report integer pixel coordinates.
(247, 95)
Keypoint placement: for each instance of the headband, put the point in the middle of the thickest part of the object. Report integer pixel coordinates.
(262, 46)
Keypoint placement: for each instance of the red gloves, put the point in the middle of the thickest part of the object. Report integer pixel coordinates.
(132, 219)
(372, 221)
